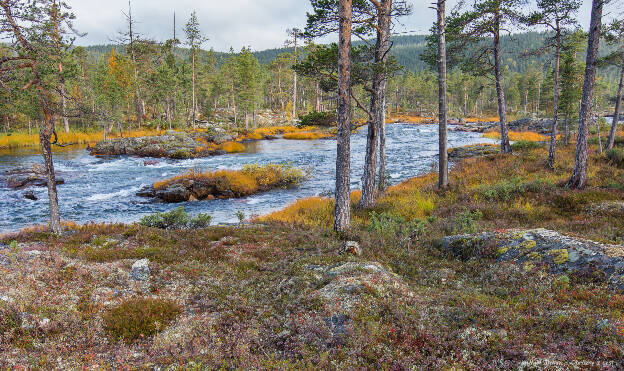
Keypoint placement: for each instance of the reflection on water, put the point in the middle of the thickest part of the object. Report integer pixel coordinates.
(103, 189)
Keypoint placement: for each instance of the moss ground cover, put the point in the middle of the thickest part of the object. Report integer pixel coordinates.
(276, 294)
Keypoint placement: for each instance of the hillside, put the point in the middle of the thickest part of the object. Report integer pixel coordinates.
(407, 50)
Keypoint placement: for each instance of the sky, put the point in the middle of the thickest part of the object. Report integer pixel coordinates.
(259, 24)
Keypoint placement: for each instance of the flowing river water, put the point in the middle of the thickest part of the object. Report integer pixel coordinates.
(102, 189)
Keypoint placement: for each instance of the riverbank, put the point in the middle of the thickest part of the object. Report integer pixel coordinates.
(277, 293)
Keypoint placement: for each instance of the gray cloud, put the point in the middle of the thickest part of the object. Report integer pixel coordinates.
(260, 24)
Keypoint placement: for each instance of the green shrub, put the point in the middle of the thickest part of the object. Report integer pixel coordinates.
(525, 145)
(388, 225)
(464, 222)
(616, 156)
(200, 221)
(318, 119)
(138, 318)
(507, 190)
(176, 219)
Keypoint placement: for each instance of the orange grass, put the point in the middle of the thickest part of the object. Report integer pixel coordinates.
(232, 147)
(306, 135)
(529, 136)
(17, 140)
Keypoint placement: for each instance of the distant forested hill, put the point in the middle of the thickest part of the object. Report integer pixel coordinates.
(407, 50)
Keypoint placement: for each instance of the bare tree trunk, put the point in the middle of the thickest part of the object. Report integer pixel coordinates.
(64, 106)
(342, 211)
(599, 136)
(294, 107)
(193, 88)
(566, 125)
(442, 109)
(579, 176)
(168, 111)
(382, 152)
(317, 92)
(553, 130)
(45, 135)
(616, 113)
(500, 93)
(369, 188)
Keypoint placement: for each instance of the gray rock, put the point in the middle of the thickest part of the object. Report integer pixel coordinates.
(473, 150)
(351, 247)
(585, 260)
(24, 177)
(140, 270)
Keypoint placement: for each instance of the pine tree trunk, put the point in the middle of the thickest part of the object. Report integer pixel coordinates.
(64, 107)
(579, 176)
(599, 136)
(616, 113)
(294, 107)
(553, 130)
(500, 93)
(442, 109)
(369, 188)
(566, 124)
(193, 88)
(342, 211)
(45, 135)
(382, 152)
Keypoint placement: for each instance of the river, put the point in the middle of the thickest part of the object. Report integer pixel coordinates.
(102, 189)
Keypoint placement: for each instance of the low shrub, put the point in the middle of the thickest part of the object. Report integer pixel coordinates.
(524, 145)
(175, 219)
(577, 201)
(616, 156)
(507, 190)
(464, 222)
(10, 320)
(389, 226)
(318, 119)
(139, 318)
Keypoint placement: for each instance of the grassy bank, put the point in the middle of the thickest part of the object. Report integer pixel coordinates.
(278, 295)
(19, 140)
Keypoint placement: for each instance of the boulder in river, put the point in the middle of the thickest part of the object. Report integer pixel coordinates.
(34, 176)
(173, 144)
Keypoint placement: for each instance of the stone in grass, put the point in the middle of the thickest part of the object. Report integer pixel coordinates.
(140, 270)
(351, 247)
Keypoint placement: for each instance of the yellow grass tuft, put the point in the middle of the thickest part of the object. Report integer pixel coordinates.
(232, 147)
(18, 140)
(306, 135)
(528, 136)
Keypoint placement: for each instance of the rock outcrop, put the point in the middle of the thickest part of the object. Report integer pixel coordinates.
(34, 176)
(177, 145)
(473, 150)
(579, 258)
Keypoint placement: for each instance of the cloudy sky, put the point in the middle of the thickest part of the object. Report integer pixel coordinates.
(260, 24)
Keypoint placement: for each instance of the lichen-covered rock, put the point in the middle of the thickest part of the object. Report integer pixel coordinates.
(140, 270)
(344, 284)
(542, 126)
(584, 259)
(177, 145)
(473, 150)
